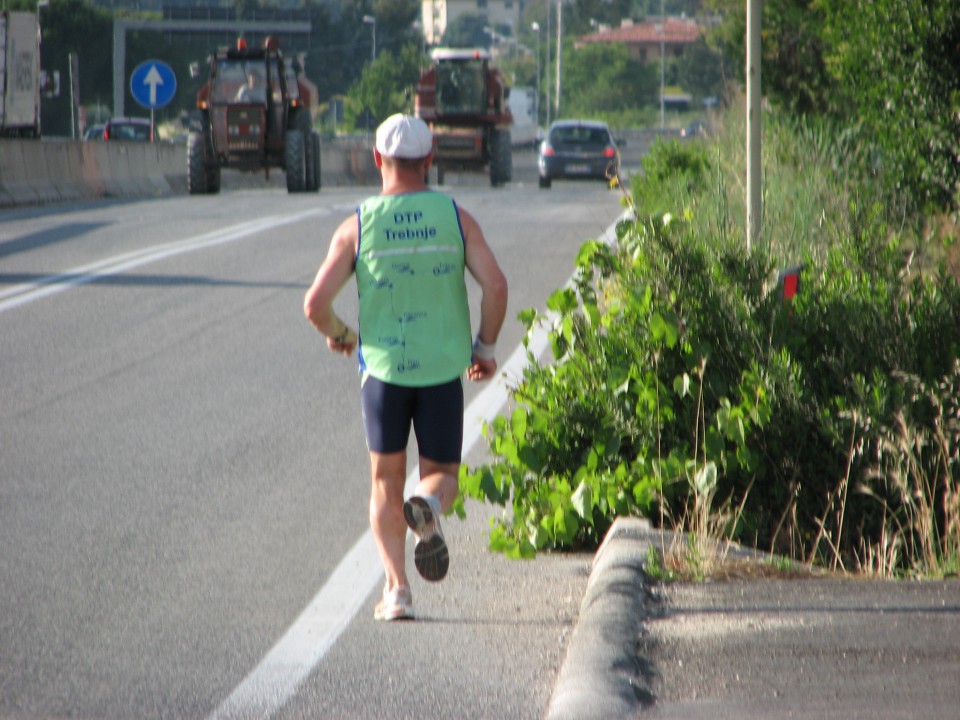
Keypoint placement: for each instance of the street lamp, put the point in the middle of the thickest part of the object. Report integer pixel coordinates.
(549, 9)
(663, 21)
(372, 22)
(556, 100)
(536, 99)
(422, 32)
(40, 4)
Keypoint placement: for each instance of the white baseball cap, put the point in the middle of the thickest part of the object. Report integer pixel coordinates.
(404, 136)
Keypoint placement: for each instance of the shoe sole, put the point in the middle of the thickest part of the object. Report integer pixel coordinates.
(397, 611)
(397, 614)
(430, 556)
(417, 513)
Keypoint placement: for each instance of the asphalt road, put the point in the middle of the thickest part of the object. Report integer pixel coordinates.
(183, 479)
(183, 509)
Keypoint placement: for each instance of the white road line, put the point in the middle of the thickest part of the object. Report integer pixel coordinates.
(20, 295)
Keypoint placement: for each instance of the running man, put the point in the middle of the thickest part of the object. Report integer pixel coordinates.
(409, 247)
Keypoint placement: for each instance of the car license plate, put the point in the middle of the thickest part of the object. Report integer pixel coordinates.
(577, 168)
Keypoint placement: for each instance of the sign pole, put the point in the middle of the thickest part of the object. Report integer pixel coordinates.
(754, 165)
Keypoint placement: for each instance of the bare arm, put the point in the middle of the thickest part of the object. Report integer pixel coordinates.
(333, 274)
(493, 305)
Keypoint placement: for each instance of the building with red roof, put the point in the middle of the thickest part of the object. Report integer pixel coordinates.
(644, 39)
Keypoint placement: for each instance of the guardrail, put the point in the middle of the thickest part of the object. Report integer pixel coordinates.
(36, 172)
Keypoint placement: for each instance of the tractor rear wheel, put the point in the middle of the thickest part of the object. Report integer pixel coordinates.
(295, 162)
(197, 174)
(213, 179)
(501, 157)
(313, 161)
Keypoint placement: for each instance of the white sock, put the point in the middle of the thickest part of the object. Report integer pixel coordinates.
(434, 502)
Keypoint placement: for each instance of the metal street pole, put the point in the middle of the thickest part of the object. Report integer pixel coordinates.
(754, 167)
(536, 99)
(548, 62)
(40, 4)
(559, 51)
(372, 22)
(663, 50)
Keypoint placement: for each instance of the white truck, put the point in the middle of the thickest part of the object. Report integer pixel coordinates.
(522, 102)
(19, 74)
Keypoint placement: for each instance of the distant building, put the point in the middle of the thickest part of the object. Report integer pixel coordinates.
(436, 15)
(644, 39)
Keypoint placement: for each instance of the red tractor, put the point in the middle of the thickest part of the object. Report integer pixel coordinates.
(254, 115)
(464, 100)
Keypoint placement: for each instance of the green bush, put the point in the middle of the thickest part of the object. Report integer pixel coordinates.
(680, 372)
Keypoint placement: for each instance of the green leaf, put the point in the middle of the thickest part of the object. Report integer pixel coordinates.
(705, 479)
(518, 423)
(500, 541)
(663, 330)
(562, 301)
(582, 502)
(527, 317)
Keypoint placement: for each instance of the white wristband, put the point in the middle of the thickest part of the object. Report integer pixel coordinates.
(482, 351)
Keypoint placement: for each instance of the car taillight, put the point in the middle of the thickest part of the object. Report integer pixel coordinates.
(609, 152)
(549, 151)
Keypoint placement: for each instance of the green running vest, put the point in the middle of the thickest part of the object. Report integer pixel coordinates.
(414, 313)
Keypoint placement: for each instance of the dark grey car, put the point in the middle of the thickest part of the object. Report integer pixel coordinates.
(578, 149)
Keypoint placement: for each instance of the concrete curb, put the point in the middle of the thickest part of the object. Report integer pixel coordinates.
(602, 677)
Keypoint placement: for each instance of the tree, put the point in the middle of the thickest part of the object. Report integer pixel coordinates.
(74, 26)
(470, 31)
(895, 63)
(384, 88)
(701, 70)
(885, 70)
(340, 42)
(792, 70)
(583, 16)
(599, 78)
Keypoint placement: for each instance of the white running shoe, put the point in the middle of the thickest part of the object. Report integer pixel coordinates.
(396, 604)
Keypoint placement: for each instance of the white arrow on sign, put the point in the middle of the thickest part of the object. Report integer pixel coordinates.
(153, 79)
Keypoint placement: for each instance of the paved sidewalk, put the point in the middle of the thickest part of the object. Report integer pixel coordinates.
(751, 648)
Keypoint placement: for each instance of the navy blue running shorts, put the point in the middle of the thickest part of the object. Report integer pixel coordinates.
(435, 411)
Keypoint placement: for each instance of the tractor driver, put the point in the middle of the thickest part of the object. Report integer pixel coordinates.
(254, 90)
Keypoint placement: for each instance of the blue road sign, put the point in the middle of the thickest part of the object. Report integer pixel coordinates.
(153, 84)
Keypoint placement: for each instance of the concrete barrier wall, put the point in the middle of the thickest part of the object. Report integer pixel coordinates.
(35, 172)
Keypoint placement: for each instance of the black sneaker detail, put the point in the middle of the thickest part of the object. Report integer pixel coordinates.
(432, 558)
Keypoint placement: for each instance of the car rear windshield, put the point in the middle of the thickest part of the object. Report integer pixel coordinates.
(129, 131)
(580, 136)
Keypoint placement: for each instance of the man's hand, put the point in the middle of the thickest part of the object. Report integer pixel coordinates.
(482, 369)
(344, 344)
